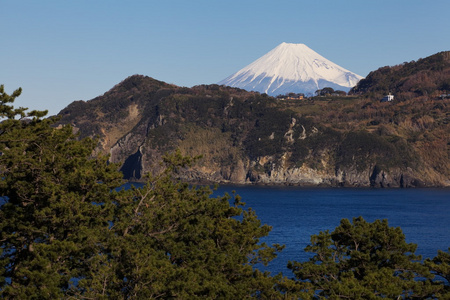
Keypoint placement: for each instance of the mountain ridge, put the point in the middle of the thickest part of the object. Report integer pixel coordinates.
(426, 77)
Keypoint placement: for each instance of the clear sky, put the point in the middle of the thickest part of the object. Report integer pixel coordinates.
(61, 51)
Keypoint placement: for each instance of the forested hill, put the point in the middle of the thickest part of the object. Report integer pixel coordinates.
(247, 137)
(428, 78)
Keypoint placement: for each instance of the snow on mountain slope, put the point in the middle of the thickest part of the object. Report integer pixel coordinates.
(292, 68)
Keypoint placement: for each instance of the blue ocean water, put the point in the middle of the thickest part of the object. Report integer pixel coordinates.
(296, 213)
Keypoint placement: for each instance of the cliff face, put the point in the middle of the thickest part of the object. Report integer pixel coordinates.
(245, 137)
(306, 176)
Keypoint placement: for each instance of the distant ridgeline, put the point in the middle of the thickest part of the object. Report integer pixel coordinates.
(248, 137)
(428, 78)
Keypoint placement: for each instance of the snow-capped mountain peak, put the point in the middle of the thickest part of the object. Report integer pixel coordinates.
(292, 68)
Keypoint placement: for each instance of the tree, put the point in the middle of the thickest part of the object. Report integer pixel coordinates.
(440, 266)
(50, 227)
(340, 93)
(325, 91)
(364, 261)
(172, 240)
(66, 231)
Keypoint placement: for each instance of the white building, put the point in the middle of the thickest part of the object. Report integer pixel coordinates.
(388, 98)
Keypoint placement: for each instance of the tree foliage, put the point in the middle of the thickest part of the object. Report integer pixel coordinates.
(50, 227)
(440, 266)
(171, 240)
(365, 261)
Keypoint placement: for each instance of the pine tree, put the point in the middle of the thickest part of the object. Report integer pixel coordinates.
(57, 200)
(172, 240)
(440, 266)
(364, 261)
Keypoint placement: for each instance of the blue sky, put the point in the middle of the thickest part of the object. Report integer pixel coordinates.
(61, 51)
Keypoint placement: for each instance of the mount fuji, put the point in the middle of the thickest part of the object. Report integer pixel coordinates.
(292, 68)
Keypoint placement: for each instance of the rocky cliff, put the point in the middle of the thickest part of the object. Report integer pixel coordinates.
(245, 137)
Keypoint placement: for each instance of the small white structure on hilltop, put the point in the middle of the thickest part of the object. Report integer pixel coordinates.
(388, 98)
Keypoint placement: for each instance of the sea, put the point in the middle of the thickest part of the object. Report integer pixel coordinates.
(296, 213)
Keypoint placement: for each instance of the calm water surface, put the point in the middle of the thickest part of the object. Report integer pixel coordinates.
(297, 213)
